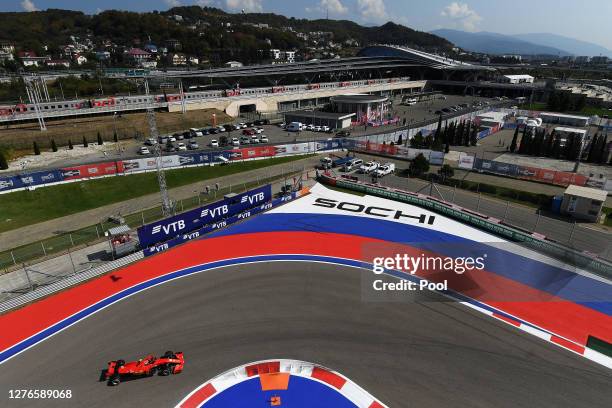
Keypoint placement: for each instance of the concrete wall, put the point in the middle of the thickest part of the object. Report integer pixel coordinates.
(269, 102)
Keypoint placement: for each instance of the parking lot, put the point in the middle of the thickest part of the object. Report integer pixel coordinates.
(424, 110)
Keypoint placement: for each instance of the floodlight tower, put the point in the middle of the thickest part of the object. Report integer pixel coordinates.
(33, 90)
(167, 203)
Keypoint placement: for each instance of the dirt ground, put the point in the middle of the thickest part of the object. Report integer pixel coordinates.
(19, 138)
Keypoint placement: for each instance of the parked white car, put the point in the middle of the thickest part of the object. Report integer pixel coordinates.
(144, 150)
(214, 143)
(150, 142)
(385, 169)
(254, 139)
(241, 125)
(258, 130)
(352, 165)
(172, 138)
(368, 167)
(325, 129)
(181, 147)
(235, 141)
(318, 129)
(310, 127)
(263, 139)
(196, 132)
(220, 129)
(193, 145)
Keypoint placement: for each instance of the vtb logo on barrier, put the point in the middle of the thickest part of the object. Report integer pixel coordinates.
(215, 212)
(175, 226)
(256, 198)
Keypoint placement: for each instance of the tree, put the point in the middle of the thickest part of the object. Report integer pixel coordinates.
(53, 145)
(580, 103)
(446, 147)
(514, 140)
(524, 146)
(400, 139)
(115, 137)
(474, 136)
(85, 144)
(36, 149)
(446, 171)
(419, 165)
(553, 102)
(223, 140)
(593, 155)
(3, 161)
(417, 141)
(556, 150)
(100, 142)
(603, 151)
(70, 144)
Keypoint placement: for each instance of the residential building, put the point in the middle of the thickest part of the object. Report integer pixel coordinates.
(6, 56)
(30, 59)
(79, 59)
(174, 45)
(233, 64)
(148, 64)
(62, 63)
(138, 55)
(178, 59)
(103, 55)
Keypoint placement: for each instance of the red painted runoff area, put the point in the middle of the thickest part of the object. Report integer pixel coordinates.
(570, 320)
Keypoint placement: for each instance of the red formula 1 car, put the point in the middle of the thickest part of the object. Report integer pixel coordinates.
(169, 363)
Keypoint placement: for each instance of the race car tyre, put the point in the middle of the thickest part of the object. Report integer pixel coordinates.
(114, 381)
(152, 372)
(164, 371)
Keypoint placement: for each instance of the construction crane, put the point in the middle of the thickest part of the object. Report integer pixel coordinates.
(166, 201)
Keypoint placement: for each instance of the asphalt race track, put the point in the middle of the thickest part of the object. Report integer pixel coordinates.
(424, 353)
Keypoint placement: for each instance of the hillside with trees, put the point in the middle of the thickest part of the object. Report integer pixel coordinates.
(202, 31)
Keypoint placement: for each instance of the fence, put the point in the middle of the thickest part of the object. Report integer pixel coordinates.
(18, 257)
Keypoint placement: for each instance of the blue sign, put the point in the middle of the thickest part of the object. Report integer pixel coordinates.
(30, 179)
(191, 159)
(169, 228)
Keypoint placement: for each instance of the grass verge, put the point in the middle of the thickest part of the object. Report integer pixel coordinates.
(23, 208)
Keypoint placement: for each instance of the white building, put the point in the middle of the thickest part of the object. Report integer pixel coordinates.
(564, 119)
(233, 64)
(80, 59)
(517, 79)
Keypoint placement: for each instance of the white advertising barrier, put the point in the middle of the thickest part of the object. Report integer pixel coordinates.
(136, 165)
(296, 148)
(466, 161)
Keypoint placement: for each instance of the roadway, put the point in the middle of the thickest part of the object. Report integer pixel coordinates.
(583, 237)
(414, 351)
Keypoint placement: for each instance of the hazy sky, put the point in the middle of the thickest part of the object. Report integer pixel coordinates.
(588, 20)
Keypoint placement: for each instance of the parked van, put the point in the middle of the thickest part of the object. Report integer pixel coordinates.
(411, 101)
(294, 127)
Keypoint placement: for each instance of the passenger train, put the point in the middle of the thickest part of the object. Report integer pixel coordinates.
(141, 101)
